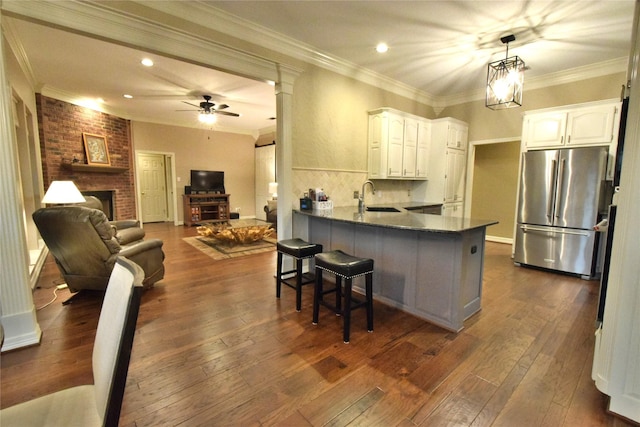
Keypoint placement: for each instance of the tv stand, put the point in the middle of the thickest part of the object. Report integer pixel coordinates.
(205, 208)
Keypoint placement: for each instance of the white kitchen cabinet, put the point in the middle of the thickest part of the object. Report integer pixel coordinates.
(577, 126)
(396, 145)
(580, 125)
(457, 135)
(455, 210)
(423, 150)
(447, 165)
(456, 162)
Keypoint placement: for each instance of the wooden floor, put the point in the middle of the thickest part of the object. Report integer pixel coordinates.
(215, 347)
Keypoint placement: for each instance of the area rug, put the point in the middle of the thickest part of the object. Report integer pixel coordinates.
(219, 250)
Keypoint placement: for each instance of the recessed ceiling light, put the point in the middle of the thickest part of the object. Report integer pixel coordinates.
(147, 62)
(126, 95)
(382, 48)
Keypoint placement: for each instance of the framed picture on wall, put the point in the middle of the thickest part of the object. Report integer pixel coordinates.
(95, 146)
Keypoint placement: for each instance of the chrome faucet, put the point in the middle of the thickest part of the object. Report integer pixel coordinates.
(361, 206)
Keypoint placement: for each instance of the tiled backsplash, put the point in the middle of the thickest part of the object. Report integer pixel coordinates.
(340, 185)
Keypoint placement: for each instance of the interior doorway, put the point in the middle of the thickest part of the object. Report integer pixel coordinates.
(265, 159)
(154, 177)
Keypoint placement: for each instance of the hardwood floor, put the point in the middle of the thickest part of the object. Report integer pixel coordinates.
(215, 347)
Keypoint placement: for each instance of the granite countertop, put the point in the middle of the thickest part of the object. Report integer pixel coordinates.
(402, 220)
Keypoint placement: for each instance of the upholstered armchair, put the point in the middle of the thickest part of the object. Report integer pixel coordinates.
(271, 209)
(127, 230)
(84, 245)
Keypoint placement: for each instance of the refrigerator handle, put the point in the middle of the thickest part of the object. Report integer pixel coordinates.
(559, 184)
(551, 199)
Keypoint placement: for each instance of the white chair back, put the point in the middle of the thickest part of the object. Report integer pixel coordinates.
(114, 337)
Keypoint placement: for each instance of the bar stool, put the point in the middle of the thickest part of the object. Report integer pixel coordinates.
(300, 250)
(344, 266)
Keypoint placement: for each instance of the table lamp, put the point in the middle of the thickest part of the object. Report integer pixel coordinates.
(63, 192)
(273, 190)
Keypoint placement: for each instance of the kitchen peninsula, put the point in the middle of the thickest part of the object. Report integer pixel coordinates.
(428, 265)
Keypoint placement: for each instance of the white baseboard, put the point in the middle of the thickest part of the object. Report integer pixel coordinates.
(497, 239)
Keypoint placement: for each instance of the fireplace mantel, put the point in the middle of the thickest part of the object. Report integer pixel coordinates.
(81, 167)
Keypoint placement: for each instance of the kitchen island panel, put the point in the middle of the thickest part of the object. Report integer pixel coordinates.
(436, 295)
(396, 264)
(430, 271)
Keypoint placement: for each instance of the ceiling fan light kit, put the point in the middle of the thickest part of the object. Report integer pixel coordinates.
(505, 80)
(207, 110)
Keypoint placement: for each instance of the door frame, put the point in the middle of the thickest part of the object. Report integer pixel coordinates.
(471, 158)
(170, 188)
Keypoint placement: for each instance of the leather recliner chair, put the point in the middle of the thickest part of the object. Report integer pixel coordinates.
(84, 246)
(127, 230)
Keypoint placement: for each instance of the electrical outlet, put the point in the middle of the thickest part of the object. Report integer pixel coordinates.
(356, 194)
(61, 287)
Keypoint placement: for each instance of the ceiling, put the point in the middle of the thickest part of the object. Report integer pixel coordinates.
(440, 48)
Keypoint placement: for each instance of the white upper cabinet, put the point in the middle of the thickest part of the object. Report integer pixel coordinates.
(545, 130)
(457, 135)
(423, 150)
(579, 126)
(397, 144)
(448, 163)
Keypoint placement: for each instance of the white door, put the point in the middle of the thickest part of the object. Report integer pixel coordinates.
(153, 203)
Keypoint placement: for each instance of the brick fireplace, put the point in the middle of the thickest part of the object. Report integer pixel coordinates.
(61, 125)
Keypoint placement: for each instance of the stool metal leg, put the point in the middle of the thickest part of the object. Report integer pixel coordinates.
(347, 309)
(317, 295)
(338, 295)
(369, 299)
(279, 275)
(298, 284)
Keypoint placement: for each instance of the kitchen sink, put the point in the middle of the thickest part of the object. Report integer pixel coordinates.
(381, 209)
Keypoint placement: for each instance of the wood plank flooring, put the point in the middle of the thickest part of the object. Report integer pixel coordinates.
(215, 347)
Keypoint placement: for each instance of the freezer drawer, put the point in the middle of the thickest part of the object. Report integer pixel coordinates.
(561, 249)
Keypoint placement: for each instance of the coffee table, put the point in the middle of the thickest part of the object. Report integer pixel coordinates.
(237, 231)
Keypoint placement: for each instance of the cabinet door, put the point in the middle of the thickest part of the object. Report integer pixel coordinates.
(545, 129)
(377, 126)
(423, 150)
(455, 210)
(457, 136)
(454, 176)
(395, 148)
(591, 125)
(409, 147)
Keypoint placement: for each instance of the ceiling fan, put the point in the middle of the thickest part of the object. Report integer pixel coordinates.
(210, 108)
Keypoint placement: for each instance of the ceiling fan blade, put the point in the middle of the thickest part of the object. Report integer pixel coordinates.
(193, 105)
(228, 113)
(221, 107)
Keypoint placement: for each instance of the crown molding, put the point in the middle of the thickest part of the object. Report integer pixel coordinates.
(105, 21)
(8, 29)
(101, 20)
(207, 15)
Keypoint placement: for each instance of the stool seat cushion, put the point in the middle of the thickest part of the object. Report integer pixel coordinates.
(343, 264)
(298, 248)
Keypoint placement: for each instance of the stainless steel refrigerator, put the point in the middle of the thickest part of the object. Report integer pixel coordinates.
(562, 196)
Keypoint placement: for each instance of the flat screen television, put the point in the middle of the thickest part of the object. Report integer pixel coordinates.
(207, 181)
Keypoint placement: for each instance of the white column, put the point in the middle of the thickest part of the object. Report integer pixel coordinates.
(284, 149)
(17, 312)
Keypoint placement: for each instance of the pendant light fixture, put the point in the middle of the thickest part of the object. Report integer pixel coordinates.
(505, 79)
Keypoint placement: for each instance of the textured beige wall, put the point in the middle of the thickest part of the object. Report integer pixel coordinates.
(207, 150)
(330, 119)
(330, 125)
(495, 180)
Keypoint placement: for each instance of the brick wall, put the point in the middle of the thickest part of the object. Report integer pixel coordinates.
(61, 125)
